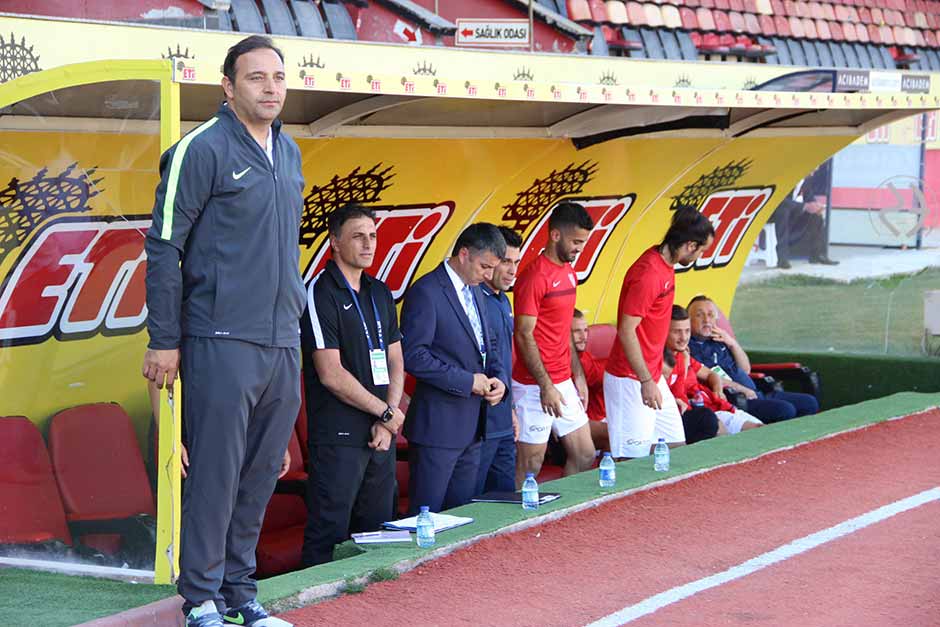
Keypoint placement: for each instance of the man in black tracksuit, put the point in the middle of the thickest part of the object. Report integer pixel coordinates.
(224, 295)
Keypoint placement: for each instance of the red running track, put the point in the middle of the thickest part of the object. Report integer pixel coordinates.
(593, 563)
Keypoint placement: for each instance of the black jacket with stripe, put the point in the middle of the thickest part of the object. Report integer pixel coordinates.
(223, 259)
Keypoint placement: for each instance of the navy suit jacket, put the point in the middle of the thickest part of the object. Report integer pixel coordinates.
(442, 354)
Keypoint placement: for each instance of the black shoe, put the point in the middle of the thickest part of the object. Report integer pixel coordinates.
(783, 264)
(826, 261)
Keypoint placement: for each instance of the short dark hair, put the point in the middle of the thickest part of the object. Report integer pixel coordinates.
(344, 214)
(567, 214)
(513, 239)
(669, 358)
(255, 42)
(688, 225)
(481, 237)
(578, 313)
(699, 299)
(679, 313)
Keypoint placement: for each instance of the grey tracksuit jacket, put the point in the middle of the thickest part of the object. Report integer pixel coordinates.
(222, 252)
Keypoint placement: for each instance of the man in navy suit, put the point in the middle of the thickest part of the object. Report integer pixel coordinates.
(450, 350)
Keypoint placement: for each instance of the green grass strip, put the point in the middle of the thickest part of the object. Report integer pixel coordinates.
(50, 600)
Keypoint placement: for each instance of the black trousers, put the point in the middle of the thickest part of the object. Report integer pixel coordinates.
(351, 489)
(240, 401)
(793, 225)
(442, 478)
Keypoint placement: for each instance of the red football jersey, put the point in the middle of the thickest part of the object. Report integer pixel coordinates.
(594, 376)
(548, 292)
(648, 291)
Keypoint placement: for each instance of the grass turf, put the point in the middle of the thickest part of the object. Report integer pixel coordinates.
(45, 600)
(812, 314)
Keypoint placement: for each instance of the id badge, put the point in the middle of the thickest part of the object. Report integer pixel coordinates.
(379, 367)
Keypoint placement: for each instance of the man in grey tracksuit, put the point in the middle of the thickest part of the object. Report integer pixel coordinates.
(225, 295)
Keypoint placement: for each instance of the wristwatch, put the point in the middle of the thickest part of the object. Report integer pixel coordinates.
(387, 415)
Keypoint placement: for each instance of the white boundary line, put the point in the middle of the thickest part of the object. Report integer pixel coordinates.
(798, 546)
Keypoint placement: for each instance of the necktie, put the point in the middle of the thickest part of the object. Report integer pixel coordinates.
(471, 309)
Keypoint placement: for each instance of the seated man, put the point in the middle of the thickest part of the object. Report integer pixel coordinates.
(694, 383)
(594, 375)
(720, 352)
(800, 217)
(699, 423)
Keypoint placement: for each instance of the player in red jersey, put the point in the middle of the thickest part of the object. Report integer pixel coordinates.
(640, 407)
(548, 383)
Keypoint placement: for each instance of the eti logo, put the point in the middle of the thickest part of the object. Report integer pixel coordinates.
(730, 209)
(77, 279)
(606, 212)
(403, 235)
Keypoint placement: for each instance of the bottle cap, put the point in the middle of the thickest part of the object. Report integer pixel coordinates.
(424, 509)
(530, 475)
(663, 440)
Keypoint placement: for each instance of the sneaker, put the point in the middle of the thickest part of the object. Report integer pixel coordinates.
(783, 264)
(822, 260)
(205, 615)
(251, 614)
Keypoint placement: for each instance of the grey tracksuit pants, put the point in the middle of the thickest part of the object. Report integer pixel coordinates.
(240, 401)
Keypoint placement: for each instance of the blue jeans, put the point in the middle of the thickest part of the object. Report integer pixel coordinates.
(497, 466)
(778, 406)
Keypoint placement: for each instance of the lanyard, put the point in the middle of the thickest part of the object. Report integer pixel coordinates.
(375, 310)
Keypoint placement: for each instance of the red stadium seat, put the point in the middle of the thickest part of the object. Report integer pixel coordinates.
(98, 465)
(636, 14)
(920, 20)
(796, 27)
(865, 35)
(842, 13)
(877, 17)
(751, 24)
(782, 26)
(809, 28)
(887, 35)
(402, 475)
(848, 29)
(767, 26)
(598, 12)
(736, 5)
(671, 17)
(617, 13)
(722, 21)
(282, 535)
(828, 12)
(654, 16)
(802, 9)
(706, 21)
(601, 338)
(864, 15)
(579, 11)
(723, 5)
(300, 426)
(737, 22)
(30, 506)
(835, 29)
(930, 38)
(822, 30)
(689, 21)
(750, 6)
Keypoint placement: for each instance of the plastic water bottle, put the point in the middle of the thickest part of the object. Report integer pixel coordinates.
(530, 492)
(425, 528)
(698, 400)
(608, 472)
(661, 456)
